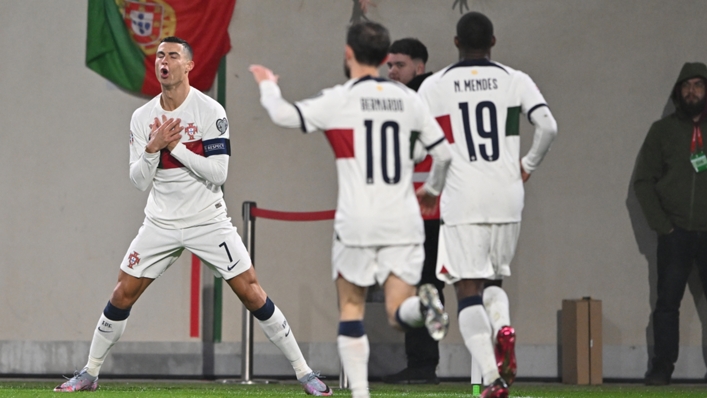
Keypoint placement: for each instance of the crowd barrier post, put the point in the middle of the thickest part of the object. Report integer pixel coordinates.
(343, 380)
(247, 339)
(250, 212)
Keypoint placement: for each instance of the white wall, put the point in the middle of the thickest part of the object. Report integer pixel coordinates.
(68, 210)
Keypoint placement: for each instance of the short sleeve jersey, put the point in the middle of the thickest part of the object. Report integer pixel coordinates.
(372, 125)
(178, 198)
(478, 105)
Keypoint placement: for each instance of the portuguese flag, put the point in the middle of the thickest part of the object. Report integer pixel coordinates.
(123, 36)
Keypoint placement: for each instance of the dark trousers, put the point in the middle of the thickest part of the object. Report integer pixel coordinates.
(421, 350)
(677, 252)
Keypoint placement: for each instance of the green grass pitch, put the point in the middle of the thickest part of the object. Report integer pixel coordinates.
(147, 389)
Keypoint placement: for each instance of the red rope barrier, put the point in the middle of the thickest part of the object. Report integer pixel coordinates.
(293, 216)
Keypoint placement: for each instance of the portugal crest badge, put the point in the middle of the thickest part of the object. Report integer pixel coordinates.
(148, 22)
(133, 259)
(191, 131)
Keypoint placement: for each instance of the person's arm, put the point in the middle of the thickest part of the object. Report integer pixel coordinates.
(535, 108)
(545, 133)
(213, 166)
(441, 159)
(432, 136)
(145, 151)
(143, 165)
(281, 112)
(649, 169)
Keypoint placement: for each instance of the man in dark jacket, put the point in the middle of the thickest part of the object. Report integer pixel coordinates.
(406, 64)
(671, 186)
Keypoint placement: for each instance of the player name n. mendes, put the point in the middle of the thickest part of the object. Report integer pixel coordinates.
(461, 86)
(382, 104)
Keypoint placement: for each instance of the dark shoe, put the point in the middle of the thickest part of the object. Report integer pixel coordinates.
(660, 374)
(497, 389)
(412, 376)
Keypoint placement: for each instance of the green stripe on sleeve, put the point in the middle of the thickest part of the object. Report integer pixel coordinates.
(513, 121)
(414, 135)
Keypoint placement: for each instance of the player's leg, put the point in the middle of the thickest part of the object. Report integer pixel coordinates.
(421, 350)
(353, 269)
(152, 251)
(271, 320)
(402, 304)
(399, 269)
(475, 326)
(220, 246)
(352, 341)
(467, 266)
(114, 318)
(496, 305)
(504, 240)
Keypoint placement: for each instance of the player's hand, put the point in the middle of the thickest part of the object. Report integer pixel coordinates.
(524, 174)
(261, 73)
(164, 134)
(428, 202)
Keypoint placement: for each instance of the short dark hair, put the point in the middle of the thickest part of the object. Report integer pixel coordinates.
(474, 31)
(369, 41)
(175, 39)
(411, 47)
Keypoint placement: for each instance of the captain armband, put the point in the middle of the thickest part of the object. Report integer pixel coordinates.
(217, 146)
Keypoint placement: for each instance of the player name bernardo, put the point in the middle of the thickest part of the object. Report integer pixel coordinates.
(382, 104)
(475, 85)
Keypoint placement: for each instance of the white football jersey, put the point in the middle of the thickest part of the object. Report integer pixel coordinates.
(372, 124)
(478, 105)
(179, 198)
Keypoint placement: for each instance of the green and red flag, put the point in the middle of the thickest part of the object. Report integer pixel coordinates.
(123, 36)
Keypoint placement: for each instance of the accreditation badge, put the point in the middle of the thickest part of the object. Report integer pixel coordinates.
(699, 161)
(697, 152)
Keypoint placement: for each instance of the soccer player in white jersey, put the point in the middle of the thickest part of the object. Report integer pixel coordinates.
(478, 103)
(371, 124)
(179, 142)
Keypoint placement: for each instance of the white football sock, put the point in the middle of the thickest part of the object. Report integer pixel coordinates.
(107, 333)
(409, 312)
(279, 333)
(476, 331)
(354, 352)
(497, 308)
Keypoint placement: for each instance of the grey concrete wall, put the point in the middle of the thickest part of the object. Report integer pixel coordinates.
(69, 211)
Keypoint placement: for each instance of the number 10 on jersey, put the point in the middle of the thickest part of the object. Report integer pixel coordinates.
(392, 128)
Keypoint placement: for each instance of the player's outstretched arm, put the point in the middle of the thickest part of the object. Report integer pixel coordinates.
(281, 112)
(261, 74)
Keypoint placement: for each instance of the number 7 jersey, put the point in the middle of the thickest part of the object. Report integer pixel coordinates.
(478, 104)
(372, 125)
